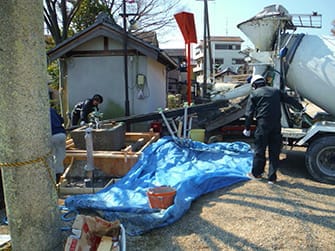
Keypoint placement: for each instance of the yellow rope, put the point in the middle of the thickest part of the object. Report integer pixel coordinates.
(29, 162)
(23, 163)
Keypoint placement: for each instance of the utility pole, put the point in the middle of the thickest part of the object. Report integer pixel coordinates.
(125, 46)
(211, 70)
(204, 86)
(206, 46)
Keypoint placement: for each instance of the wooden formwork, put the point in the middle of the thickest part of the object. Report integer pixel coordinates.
(113, 163)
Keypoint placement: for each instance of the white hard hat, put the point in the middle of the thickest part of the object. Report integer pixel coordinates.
(256, 78)
(257, 81)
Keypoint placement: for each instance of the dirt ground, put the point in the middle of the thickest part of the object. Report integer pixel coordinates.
(295, 214)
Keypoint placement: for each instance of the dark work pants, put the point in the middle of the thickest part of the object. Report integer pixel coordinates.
(267, 134)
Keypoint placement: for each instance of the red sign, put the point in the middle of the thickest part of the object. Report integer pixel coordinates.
(186, 24)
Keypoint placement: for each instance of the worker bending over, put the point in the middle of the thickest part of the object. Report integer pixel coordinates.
(81, 110)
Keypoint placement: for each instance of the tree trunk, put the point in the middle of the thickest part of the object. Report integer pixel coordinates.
(30, 194)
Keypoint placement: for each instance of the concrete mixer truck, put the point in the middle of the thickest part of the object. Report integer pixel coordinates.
(303, 65)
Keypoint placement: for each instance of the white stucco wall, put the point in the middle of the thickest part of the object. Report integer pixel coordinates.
(155, 91)
(105, 75)
(90, 75)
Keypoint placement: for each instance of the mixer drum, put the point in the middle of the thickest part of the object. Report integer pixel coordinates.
(312, 71)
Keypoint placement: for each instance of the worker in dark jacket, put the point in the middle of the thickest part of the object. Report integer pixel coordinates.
(82, 109)
(264, 104)
(58, 143)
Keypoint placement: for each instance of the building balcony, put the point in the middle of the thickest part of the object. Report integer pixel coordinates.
(198, 55)
(198, 68)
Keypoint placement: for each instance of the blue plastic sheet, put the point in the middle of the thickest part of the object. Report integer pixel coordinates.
(191, 167)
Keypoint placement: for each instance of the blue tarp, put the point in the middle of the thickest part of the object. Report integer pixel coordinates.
(191, 167)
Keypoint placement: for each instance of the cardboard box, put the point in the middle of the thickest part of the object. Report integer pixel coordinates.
(87, 232)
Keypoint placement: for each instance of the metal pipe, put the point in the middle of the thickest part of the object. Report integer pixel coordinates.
(185, 121)
(125, 44)
(189, 81)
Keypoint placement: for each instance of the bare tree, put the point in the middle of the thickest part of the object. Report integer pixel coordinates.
(148, 15)
(58, 15)
(152, 15)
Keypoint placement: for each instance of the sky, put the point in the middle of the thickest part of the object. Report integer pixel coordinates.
(225, 15)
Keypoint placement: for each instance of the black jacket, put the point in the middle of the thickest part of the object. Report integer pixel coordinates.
(264, 104)
(85, 108)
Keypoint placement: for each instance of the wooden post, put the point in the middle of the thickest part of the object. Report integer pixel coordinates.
(63, 93)
(29, 185)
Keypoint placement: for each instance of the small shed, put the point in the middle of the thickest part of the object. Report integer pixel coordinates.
(130, 73)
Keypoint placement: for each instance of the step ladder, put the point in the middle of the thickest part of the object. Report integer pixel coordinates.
(180, 126)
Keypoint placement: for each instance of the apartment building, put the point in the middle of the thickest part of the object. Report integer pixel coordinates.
(225, 51)
(177, 77)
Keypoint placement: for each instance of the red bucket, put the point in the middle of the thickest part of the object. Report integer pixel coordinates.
(156, 126)
(161, 197)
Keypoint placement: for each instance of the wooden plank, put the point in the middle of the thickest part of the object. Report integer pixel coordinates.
(67, 170)
(107, 155)
(69, 143)
(74, 151)
(134, 136)
(4, 239)
(106, 244)
(78, 190)
(153, 138)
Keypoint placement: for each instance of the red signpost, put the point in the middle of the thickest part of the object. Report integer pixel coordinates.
(186, 24)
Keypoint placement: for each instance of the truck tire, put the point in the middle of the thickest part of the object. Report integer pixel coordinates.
(320, 159)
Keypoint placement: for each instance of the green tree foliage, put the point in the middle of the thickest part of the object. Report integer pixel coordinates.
(53, 70)
(53, 73)
(87, 13)
(49, 42)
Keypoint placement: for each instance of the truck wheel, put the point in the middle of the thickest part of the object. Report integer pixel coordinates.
(320, 159)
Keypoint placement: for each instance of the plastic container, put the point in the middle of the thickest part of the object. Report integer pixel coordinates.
(197, 135)
(161, 197)
(156, 126)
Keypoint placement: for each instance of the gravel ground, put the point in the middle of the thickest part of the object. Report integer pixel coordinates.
(297, 213)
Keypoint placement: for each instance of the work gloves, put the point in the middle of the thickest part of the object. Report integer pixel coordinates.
(246, 133)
